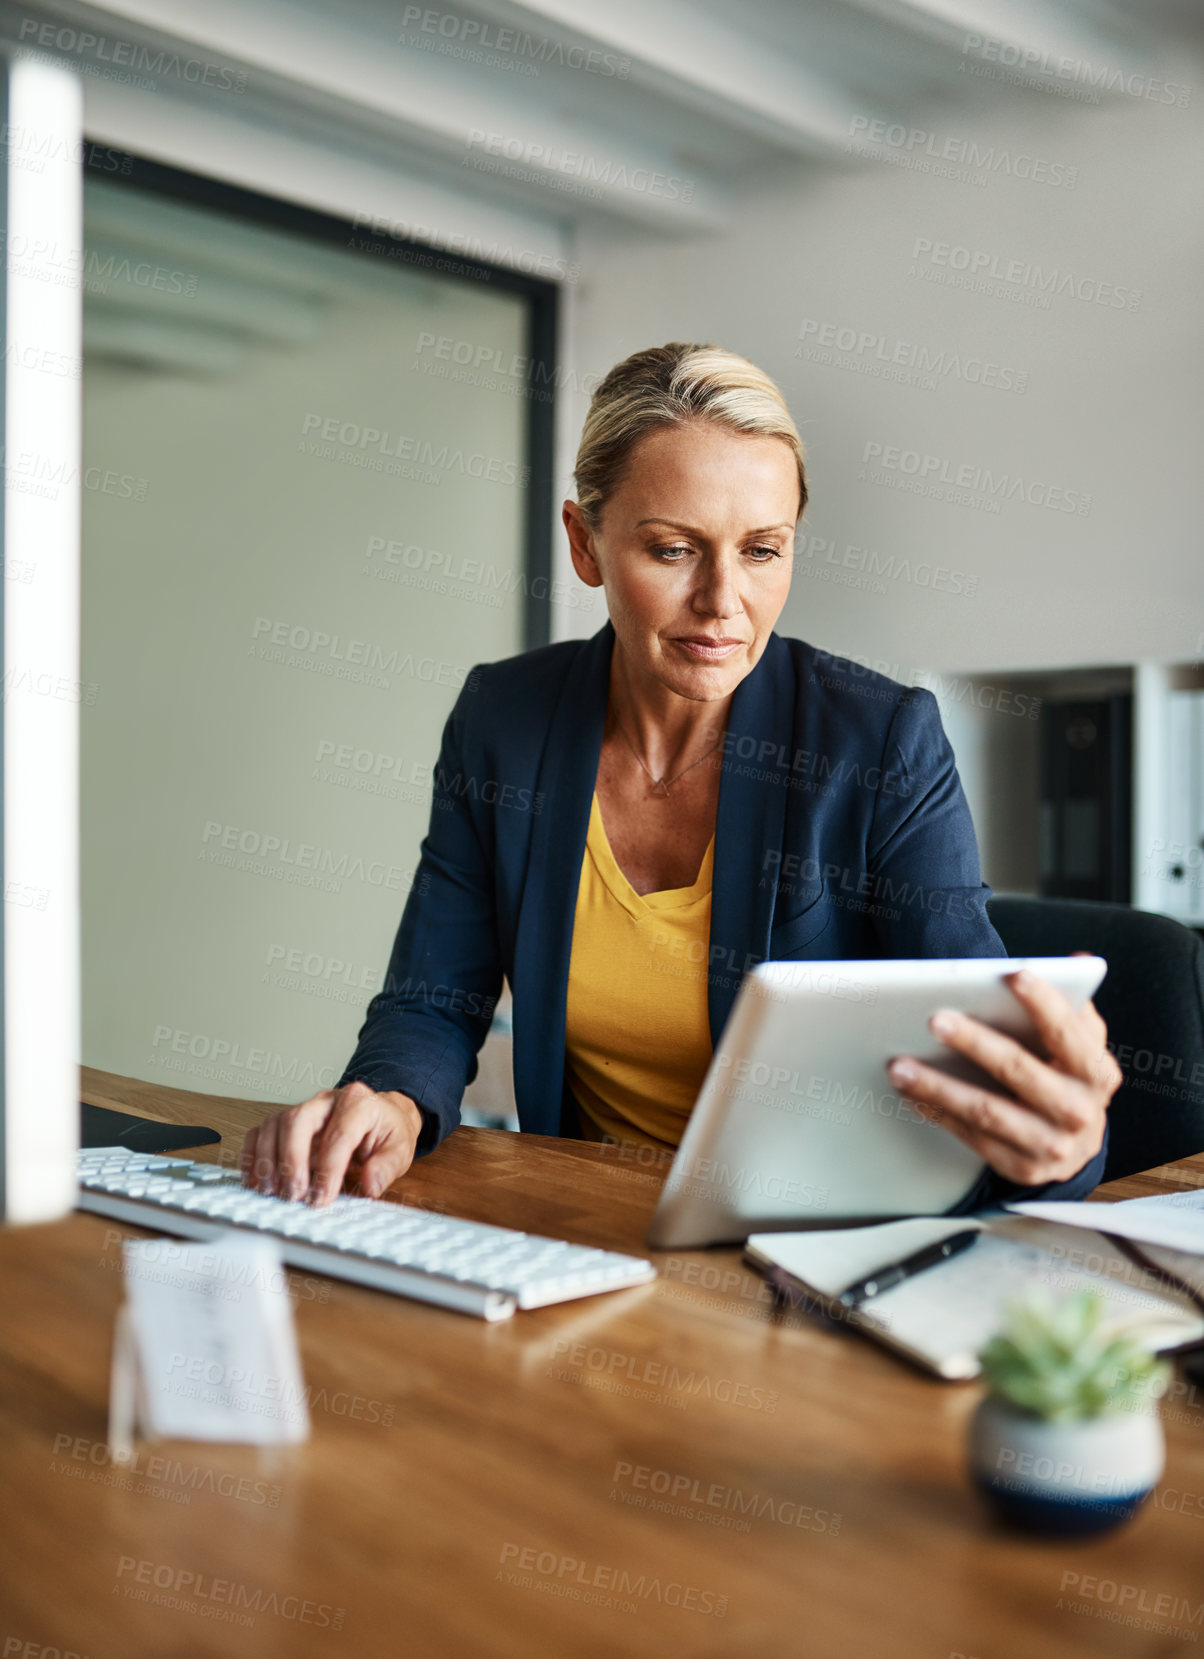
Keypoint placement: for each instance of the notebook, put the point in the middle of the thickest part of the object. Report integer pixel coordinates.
(940, 1318)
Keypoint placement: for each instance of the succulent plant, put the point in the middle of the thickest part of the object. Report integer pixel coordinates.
(1057, 1360)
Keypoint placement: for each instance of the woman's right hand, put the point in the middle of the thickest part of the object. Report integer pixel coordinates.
(306, 1150)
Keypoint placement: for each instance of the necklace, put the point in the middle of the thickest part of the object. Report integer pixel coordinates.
(662, 786)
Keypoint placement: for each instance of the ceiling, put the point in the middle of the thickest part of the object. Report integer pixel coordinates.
(647, 113)
(656, 113)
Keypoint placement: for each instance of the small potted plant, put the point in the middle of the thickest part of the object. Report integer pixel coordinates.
(1067, 1438)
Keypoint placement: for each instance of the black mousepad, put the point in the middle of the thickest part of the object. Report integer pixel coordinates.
(100, 1126)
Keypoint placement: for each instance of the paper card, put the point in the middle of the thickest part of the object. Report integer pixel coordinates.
(206, 1348)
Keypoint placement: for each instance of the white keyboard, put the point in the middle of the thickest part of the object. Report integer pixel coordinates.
(486, 1271)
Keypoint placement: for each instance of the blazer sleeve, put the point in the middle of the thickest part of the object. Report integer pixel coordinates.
(927, 887)
(929, 895)
(423, 1030)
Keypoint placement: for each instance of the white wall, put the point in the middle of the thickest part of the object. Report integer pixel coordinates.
(1110, 409)
(212, 958)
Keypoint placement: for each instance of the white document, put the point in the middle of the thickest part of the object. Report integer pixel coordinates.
(206, 1347)
(1175, 1220)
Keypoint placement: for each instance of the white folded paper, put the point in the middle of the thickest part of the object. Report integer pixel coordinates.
(1175, 1220)
(205, 1347)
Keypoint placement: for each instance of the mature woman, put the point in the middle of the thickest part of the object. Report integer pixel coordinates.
(622, 826)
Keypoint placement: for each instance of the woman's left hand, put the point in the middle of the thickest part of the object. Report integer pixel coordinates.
(1056, 1122)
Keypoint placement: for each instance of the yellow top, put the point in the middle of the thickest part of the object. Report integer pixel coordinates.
(637, 1037)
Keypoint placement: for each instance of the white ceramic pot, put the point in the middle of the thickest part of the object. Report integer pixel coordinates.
(1065, 1477)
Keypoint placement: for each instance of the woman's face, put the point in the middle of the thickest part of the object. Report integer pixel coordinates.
(694, 550)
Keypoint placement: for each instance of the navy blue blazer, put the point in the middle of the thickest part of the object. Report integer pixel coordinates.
(841, 832)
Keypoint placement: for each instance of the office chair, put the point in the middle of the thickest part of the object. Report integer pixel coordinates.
(1152, 999)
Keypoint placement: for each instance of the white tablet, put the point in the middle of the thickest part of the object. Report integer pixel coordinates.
(797, 1124)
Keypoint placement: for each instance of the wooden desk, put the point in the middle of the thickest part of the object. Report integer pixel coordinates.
(477, 1490)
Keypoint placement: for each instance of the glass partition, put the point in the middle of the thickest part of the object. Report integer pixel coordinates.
(307, 476)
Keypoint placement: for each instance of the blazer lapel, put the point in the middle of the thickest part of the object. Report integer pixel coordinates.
(750, 825)
(544, 938)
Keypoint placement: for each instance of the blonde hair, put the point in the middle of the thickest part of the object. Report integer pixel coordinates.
(669, 386)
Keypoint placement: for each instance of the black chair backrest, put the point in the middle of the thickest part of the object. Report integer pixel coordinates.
(1152, 1000)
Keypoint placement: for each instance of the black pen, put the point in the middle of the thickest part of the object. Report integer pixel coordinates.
(895, 1272)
